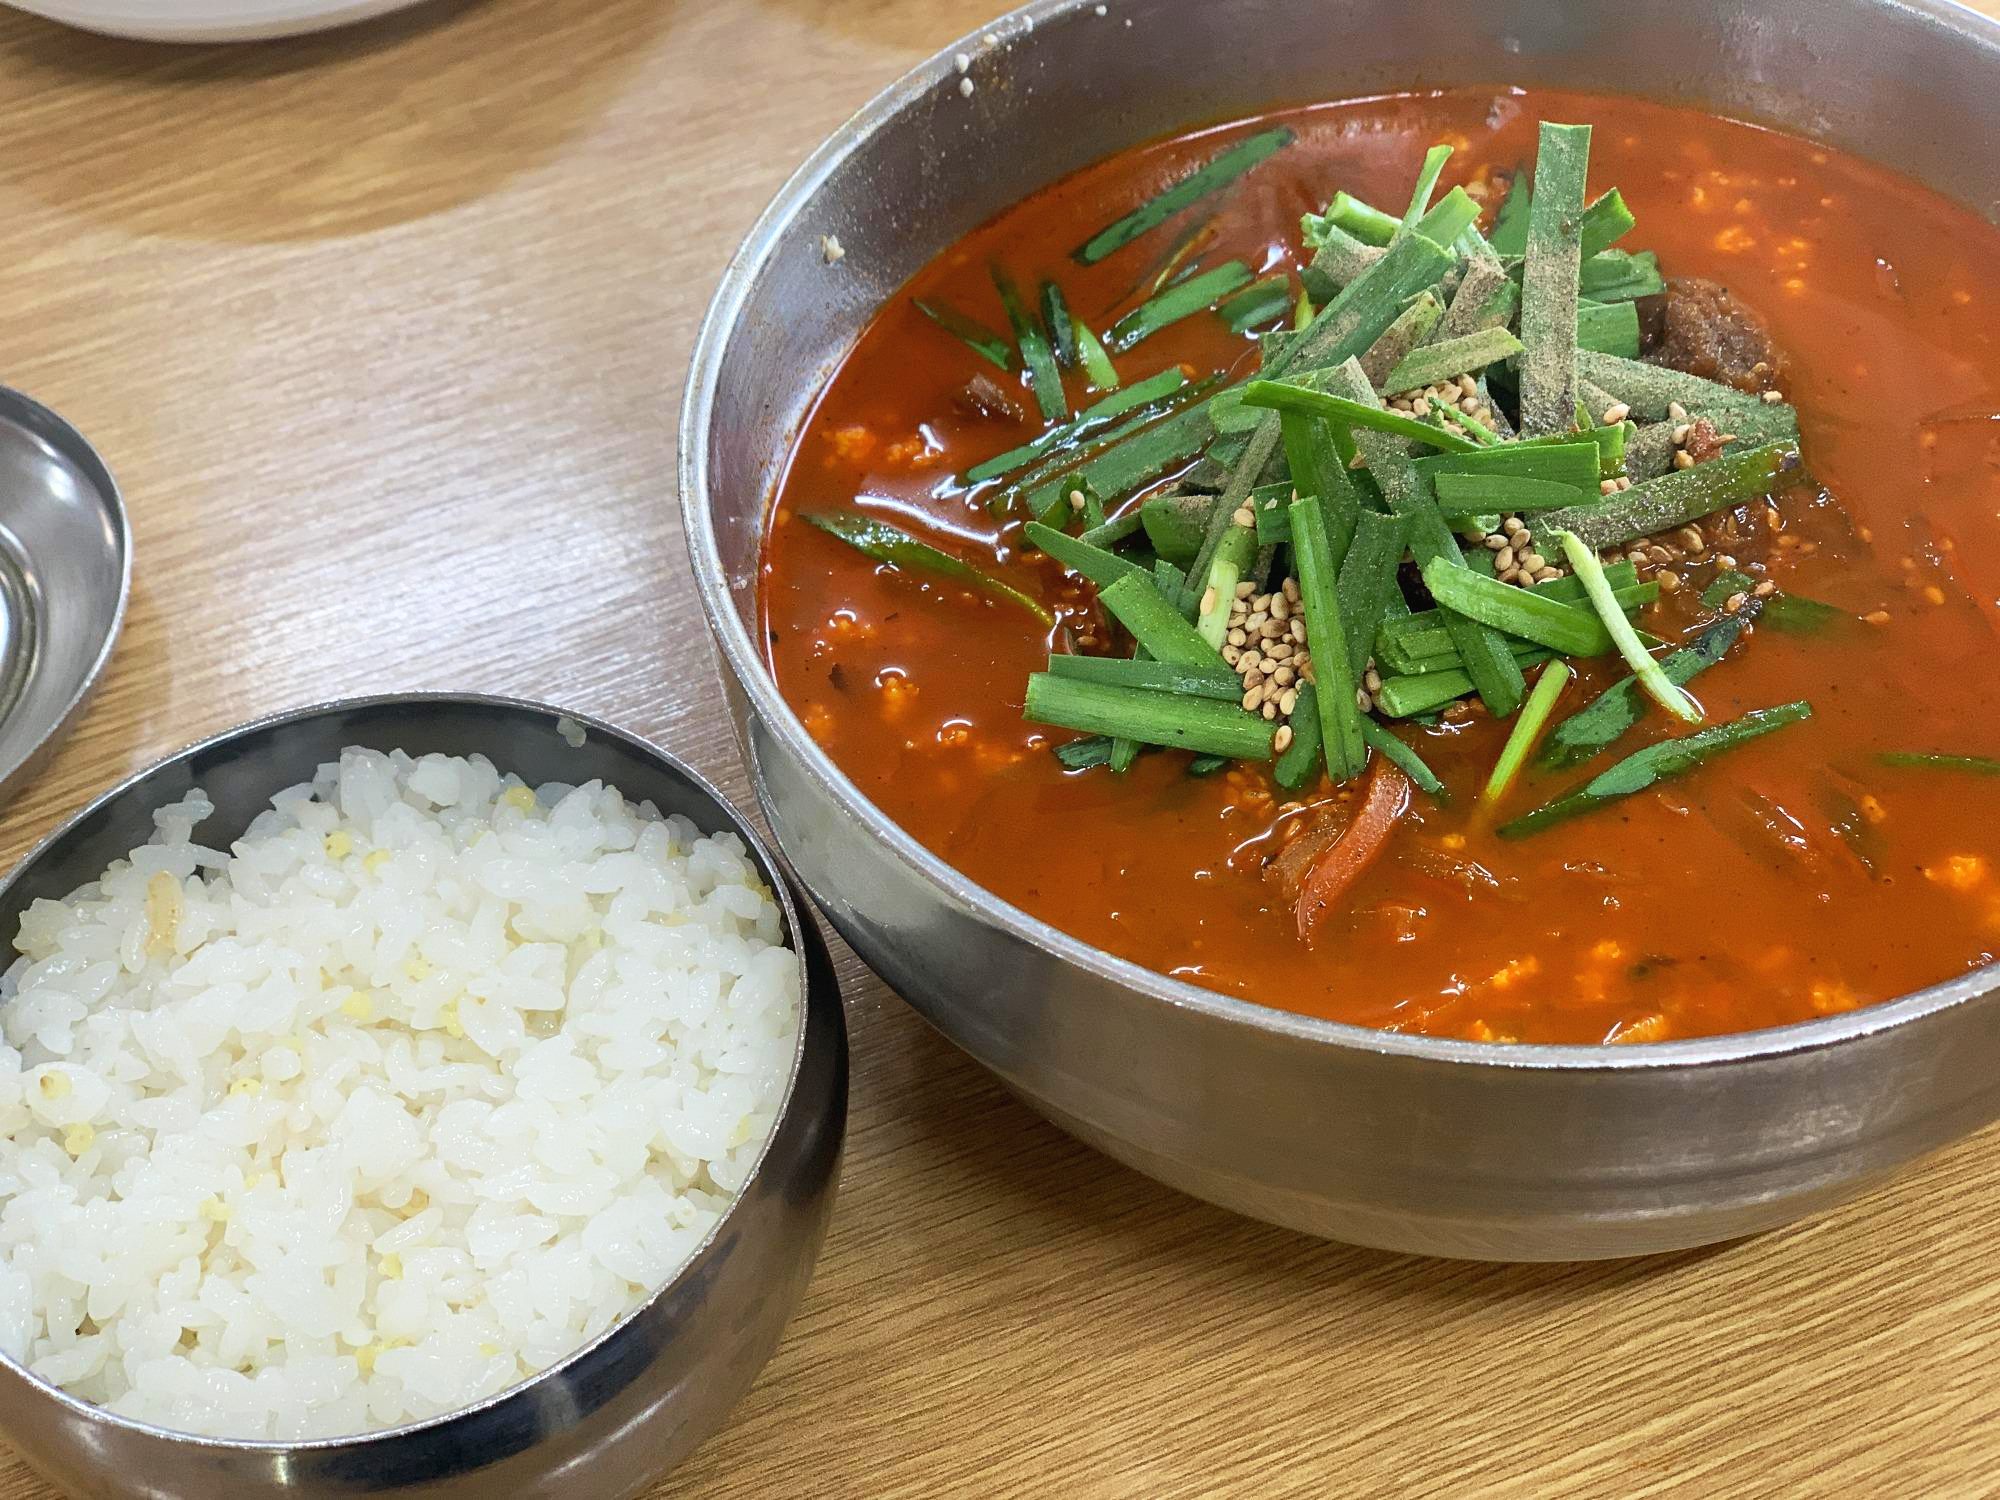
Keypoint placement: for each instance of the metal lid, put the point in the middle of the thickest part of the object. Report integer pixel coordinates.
(65, 571)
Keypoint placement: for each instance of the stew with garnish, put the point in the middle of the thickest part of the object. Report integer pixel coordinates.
(1517, 566)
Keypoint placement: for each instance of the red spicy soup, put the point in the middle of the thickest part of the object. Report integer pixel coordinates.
(1721, 900)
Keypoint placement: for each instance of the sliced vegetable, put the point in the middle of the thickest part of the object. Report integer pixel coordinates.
(1369, 225)
(1549, 281)
(1642, 768)
(1216, 682)
(1176, 524)
(1279, 395)
(1931, 760)
(1113, 531)
(1368, 581)
(1210, 178)
(1138, 604)
(1411, 327)
(1484, 291)
(1563, 628)
(1232, 558)
(970, 332)
(1461, 495)
(1058, 325)
(1179, 723)
(1135, 461)
(1341, 739)
(1451, 357)
(1093, 419)
(1615, 276)
(1528, 726)
(1366, 306)
(1407, 490)
(1182, 300)
(1572, 463)
(1090, 353)
(896, 547)
(1427, 179)
(1300, 760)
(1793, 613)
(1337, 869)
(1510, 224)
(1608, 328)
(1677, 498)
(1598, 724)
(1385, 742)
(1449, 218)
(1604, 223)
(1084, 754)
(1263, 301)
(1657, 685)
(1317, 468)
(1099, 566)
(1037, 358)
(1339, 259)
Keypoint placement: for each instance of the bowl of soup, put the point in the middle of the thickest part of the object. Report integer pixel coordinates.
(1388, 636)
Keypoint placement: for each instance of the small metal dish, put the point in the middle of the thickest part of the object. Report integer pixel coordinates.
(627, 1406)
(65, 573)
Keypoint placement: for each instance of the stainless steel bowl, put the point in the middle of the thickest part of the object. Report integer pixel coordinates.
(1451, 1148)
(623, 1408)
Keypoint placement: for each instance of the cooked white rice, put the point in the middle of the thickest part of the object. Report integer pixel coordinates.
(424, 1085)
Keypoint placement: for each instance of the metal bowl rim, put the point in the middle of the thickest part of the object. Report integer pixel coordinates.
(764, 239)
(121, 523)
(743, 829)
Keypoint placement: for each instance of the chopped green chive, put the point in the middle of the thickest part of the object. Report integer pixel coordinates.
(1659, 687)
(897, 548)
(1211, 178)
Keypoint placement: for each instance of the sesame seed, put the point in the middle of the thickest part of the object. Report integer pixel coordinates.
(1283, 676)
(1496, 541)
(1372, 680)
(1292, 590)
(1676, 412)
(1421, 407)
(1281, 607)
(1270, 708)
(1683, 459)
(1607, 486)
(1681, 433)
(1773, 398)
(1534, 562)
(1207, 599)
(1299, 630)
(1076, 500)
(1245, 590)
(1282, 741)
(1877, 617)
(1252, 699)
(1362, 701)
(962, 61)
(1667, 581)
(1547, 573)
(1244, 516)
(830, 249)
(965, 87)
(1735, 602)
(1615, 413)
(1511, 525)
(1691, 540)
(1235, 637)
(1504, 563)
(1934, 594)
(1765, 589)
(1288, 700)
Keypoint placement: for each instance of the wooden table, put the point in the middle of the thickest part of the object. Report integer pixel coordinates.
(383, 334)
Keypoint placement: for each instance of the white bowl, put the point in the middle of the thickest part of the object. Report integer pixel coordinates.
(207, 20)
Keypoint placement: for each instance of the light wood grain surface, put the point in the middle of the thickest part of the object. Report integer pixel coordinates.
(383, 334)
